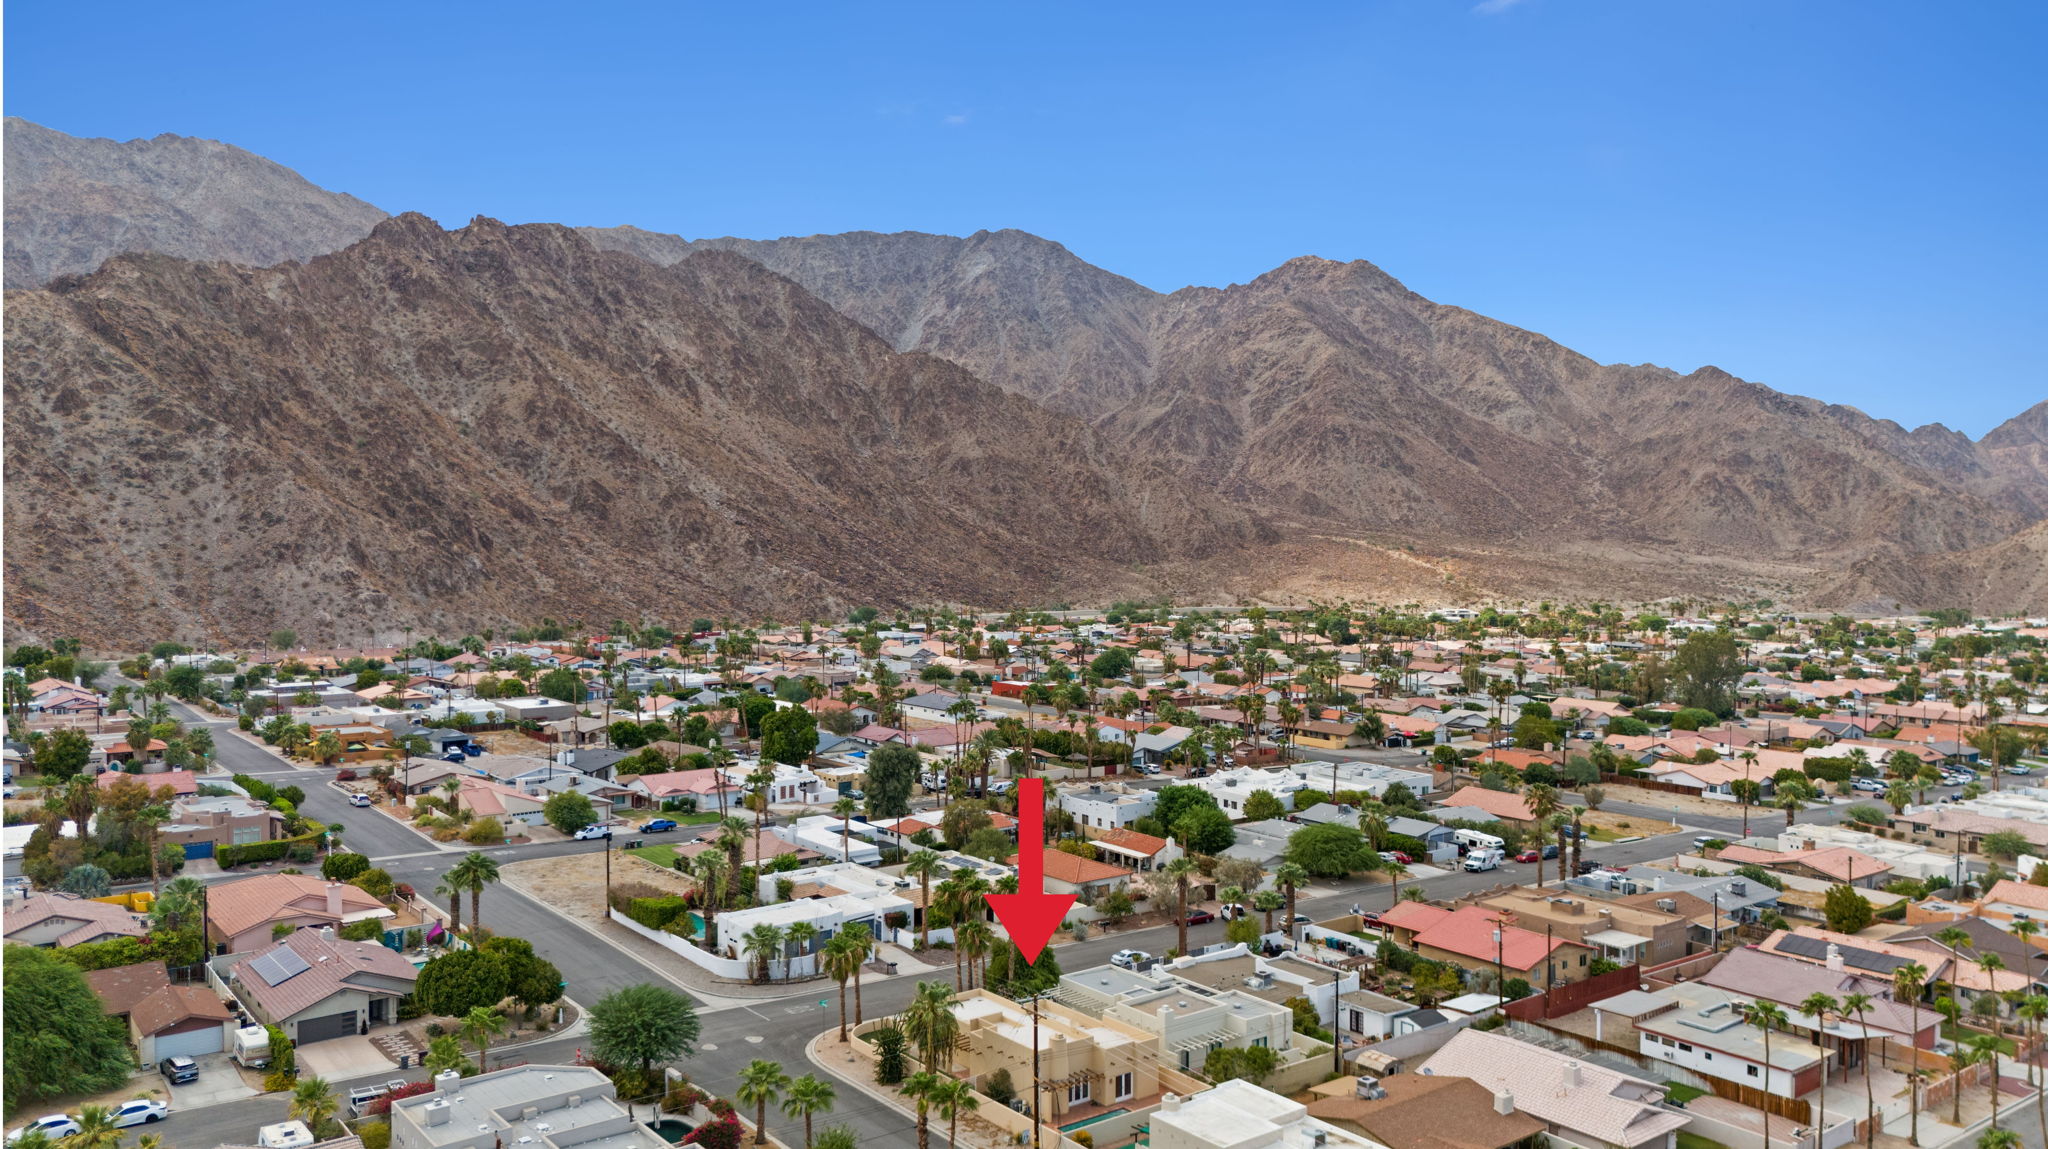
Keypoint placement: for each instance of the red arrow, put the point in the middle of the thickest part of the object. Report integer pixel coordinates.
(1030, 914)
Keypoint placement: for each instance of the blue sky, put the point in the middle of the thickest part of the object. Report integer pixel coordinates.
(1837, 199)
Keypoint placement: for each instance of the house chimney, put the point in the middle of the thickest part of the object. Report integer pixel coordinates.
(327, 933)
(1571, 1075)
(1169, 1103)
(446, 1081)
(1504, 1102)
(1834, 958)
(334, 898)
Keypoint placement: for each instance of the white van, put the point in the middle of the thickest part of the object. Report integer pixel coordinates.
(1479, 860)
(1477, 840)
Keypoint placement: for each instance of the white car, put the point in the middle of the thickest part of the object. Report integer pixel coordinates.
(599, 830)
(1129, 959)
(54, 1126)
(141, 1111)
(358, 799)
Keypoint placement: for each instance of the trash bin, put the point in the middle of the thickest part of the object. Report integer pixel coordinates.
(405, 1061)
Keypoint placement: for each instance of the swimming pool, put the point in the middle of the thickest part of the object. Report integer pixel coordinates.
(1084, 1123)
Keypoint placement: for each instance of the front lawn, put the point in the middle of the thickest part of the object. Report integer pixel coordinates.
(1679, 1094)
(1959, 1035)
(662, 855)
(1687, 1139)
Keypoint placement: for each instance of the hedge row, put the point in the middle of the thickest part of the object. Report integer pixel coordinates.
(657, 913)
(232, 856)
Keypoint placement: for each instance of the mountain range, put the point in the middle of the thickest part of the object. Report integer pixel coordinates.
(392, 423)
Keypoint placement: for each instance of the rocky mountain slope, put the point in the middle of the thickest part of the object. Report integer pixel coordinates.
(72, 203)
(1329, 390)
(456, 429)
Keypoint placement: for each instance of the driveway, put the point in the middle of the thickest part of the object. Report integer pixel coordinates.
(340, 1058)
(219, 1082)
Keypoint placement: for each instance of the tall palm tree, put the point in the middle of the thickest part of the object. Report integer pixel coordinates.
(931, 1025)
(842, 962)
(808, 1096)
(922, 865)
(1179, 870)
(1856, 1005)
(732, 838)
(974, 939)
(475, 871)
(1543, 802)
(862, 943)
(1266, 901)
(2026, 929)
(447, 888)
(1766, 1016)
(761, 1083)
(1991, 964)
(845, 808)
(2033, 1010)
(1820, 1007)
(949, 1098)
(964, 903)
(313, 1103)
(1792, 798)
(709, 868)
(764, 942)
(1909, 981)
(480, 1025)
(1290, 877)
(1396, 872)
(918, 1087)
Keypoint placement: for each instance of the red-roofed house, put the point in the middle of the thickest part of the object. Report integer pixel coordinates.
(1084, 878)
(183, 783)
(1138, 851)
(1476, 938)
(1839, 864)
(1499, 803)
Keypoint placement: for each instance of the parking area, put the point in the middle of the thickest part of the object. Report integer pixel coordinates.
(343, 1058)
(220, 1079)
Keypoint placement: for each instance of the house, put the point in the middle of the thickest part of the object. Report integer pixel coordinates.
(183, 783)
(1409, 1110)
(1949, 828)
(1235, 1113)
(1188, 1019)
(1084, 878)
(1089, 1065)
(1431, 834)
(1706, 1030)
(603, 795)
(63, 920)
(1110, 807)
(790, 783)
(1137, 851)
(360, 742)
(1581, 1102)
(706, 786)
(537, 1105)
(534, 709)
(1475, 938)
(483, 798)
(430, 777)
(1645, 935)
(1498, 804)
(1771, 977)
(202, 825)
(1230, 788)
(1370, 1015)
(241, 915)
(929, 707)
(1842, 864)
(316, 987)
(180, 1020)
(1326, 735)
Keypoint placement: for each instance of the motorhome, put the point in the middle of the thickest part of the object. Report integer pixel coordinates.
(1477, 840)
(1483, 860)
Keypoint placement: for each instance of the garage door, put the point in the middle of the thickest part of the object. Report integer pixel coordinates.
(198, 850)
(193, 1044)
(323, 1028)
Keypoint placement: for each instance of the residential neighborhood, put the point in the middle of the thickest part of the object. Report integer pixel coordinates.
(1389, 877)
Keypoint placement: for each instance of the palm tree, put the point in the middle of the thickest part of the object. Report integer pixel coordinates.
(1792, 798)
(862, 943)
(1396, 872)
(1266, 901)
(950, 1097)
(808, 1096)
(1290, 877)
(919, 1086)
(732, 838)
(1543, 802)
(480, 1025)
(1998, 1139)
(475, 871)
(922, 865)
(974, 939)
(801, 935)
(761, 1083)
(1178, 870)
(1978, 1050)
(1820, 1007)
(1991, 964)
(2033, 1010)
(447, 888)
(842, 962)
(96, 1130)
(2026, 929)
(313, 1103)
(845, 808)
(1766, 1016)
(765, 942)
(931, 1025)
(152, 818)
(1855, 1005)
(1909, 981)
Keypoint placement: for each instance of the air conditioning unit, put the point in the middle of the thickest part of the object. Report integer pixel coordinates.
(1668, 905)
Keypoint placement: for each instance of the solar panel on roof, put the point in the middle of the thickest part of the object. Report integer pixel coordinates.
(1851, 956)
(279, 966)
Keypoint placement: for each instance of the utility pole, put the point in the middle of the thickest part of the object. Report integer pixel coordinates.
(1037, 1099)
(1336, 1008)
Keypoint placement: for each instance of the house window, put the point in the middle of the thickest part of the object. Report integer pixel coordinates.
(244, 835)
(1258, 1043)
(1684, 1048)
(1184, 1061)
(1077, 1093)
(1752, 1070)
(1126, 1086)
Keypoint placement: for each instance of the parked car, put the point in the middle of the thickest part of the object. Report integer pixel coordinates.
(1198, 917)
(1868, 785)
(1302, 919)
(1550, 850)
(1528, 856)
(141, 1111)
(1396, 856)
(2019, 769)
(1503, 743)
(659, 826)
(588, 833)
(1129, 959)
(1232, 911)
(180, 1070)
(54, 1126)
(359, 799)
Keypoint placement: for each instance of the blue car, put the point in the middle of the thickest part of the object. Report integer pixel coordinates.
(659, 825)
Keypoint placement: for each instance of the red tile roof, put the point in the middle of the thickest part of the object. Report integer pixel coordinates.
(1076, 870)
